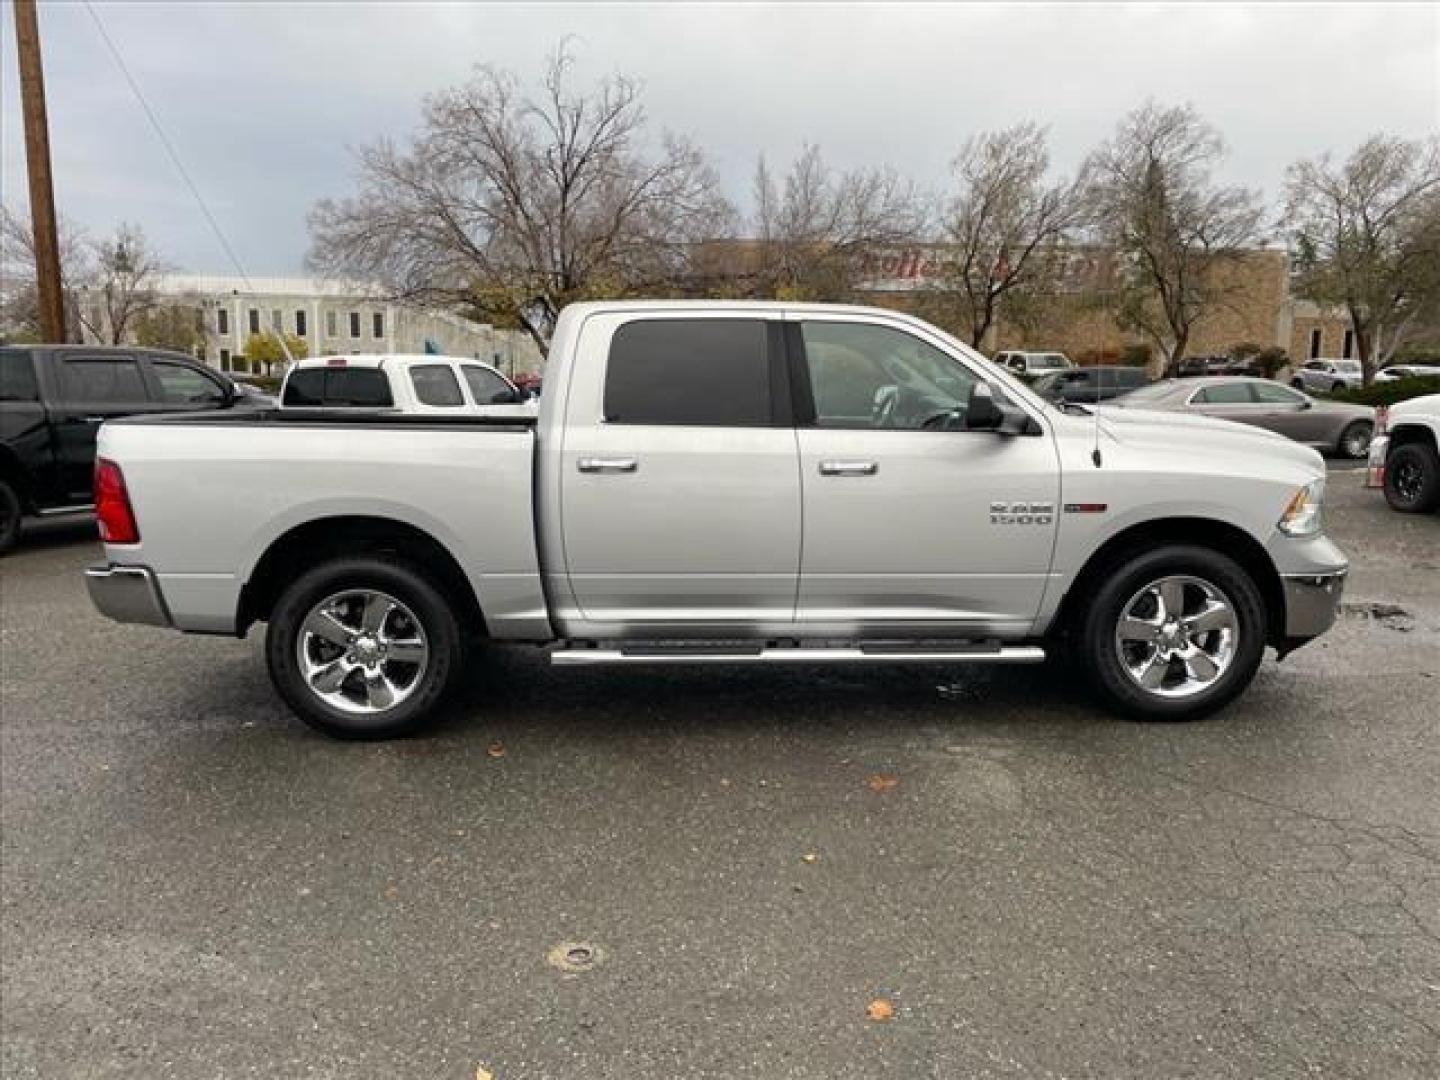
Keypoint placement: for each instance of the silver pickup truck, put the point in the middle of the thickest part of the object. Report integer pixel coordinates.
(738, 483)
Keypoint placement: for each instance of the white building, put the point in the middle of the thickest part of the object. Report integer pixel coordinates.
(334, 318)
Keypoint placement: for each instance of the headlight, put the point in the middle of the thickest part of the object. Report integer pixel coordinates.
(1302, 514)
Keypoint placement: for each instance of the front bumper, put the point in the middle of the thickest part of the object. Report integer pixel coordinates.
(1312, 602)
(127, 594)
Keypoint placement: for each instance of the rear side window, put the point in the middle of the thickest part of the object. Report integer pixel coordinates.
(706, 372)
(486, 387)
(355, 388)
(435, 384)
(17, 376)
(96, 379)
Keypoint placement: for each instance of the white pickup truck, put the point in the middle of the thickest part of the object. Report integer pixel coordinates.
(738, 483)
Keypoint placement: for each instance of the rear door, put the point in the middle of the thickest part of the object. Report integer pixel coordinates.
(90, 389)
(680, 497)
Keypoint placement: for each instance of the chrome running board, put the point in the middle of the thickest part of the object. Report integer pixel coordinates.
(985, 652)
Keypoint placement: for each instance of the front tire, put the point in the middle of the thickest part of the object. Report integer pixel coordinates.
(1412, 478)
(1355, 440)
(364, 648)
(1173, 633)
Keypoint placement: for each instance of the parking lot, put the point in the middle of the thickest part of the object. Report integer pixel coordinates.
(195, 885)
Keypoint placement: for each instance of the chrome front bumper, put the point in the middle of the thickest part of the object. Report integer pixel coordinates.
(127, 594)
(1311, 603)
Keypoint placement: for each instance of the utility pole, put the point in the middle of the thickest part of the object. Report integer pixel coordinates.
(37, 163)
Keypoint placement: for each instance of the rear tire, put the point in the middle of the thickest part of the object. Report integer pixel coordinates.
(364, 648)
(10, 514)
(1192, 640)
(1355, 440)
(1298, 384)
(1412, 478)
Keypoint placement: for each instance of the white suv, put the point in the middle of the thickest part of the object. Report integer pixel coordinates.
(1327, 376)
(407, 384)
(1031, 364)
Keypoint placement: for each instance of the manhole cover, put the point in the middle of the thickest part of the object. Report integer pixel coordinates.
(574, 956)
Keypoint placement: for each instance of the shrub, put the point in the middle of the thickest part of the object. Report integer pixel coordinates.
(1135, 356)
(1388, 393)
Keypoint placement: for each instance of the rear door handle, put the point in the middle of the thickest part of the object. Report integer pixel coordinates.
(608, 464)
(849, 468)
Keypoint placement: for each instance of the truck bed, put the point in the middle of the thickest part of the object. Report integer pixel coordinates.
(213, 491)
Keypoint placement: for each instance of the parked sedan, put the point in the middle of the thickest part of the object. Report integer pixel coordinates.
(1089, 384)
(1329, 426)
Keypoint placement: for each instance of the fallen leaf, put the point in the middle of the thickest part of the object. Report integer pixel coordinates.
(882, 781)
(880, 1009)
(496, 750)
(810, 857)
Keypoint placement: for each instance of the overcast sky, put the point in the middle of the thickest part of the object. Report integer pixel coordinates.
(264, 100)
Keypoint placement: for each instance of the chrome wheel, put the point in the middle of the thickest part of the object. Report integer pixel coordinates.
(1177, 636)
(1357, 441)
(362, 651)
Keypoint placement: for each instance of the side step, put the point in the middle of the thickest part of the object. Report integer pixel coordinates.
(887, 652)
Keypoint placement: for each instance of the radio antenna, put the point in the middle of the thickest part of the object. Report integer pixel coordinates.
(1095, 414)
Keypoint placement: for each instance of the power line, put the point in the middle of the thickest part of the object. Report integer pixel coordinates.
(169, 147)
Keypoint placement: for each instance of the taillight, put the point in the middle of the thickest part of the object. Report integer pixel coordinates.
(112, 505)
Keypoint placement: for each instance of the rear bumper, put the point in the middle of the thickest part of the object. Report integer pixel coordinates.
(127, 594)
(1312, 602)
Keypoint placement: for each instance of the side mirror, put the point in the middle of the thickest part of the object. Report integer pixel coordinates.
(982, 413)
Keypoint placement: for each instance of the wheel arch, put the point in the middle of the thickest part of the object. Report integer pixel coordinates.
(14, 474)
(342, 536)
(1408, 434)
(1223, 537)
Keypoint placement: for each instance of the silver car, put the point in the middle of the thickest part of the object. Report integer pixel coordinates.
(1328, 426)
(1328, 376)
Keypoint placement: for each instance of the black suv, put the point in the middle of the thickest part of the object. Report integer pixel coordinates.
(53, 399)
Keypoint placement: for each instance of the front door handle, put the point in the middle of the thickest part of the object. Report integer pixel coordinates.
(849, 468)
(608, 464)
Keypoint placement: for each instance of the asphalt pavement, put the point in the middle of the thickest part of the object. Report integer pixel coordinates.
(710, 873)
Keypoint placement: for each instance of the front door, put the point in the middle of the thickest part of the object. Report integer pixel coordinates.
(911, 527)
(680, 496)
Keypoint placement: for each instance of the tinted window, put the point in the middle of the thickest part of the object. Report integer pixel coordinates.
(181, 384)
(1274, 394)
(486, 387)
(1225, 394)
(97, 379)
(689, 371)
(869, 376)
(359, 388)
(435, 384)
(17, 376)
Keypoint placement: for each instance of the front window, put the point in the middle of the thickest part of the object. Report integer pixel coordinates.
(1224, 394)
(181, 385)
(436, 385)
(486, 386)
(868, 376)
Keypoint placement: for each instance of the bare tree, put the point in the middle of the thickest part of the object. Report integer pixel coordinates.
(812, 229)
(1366, 237)
(501, 197)
(125, 272)
(19, 299)
(1005, 226)
(1172, 226)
